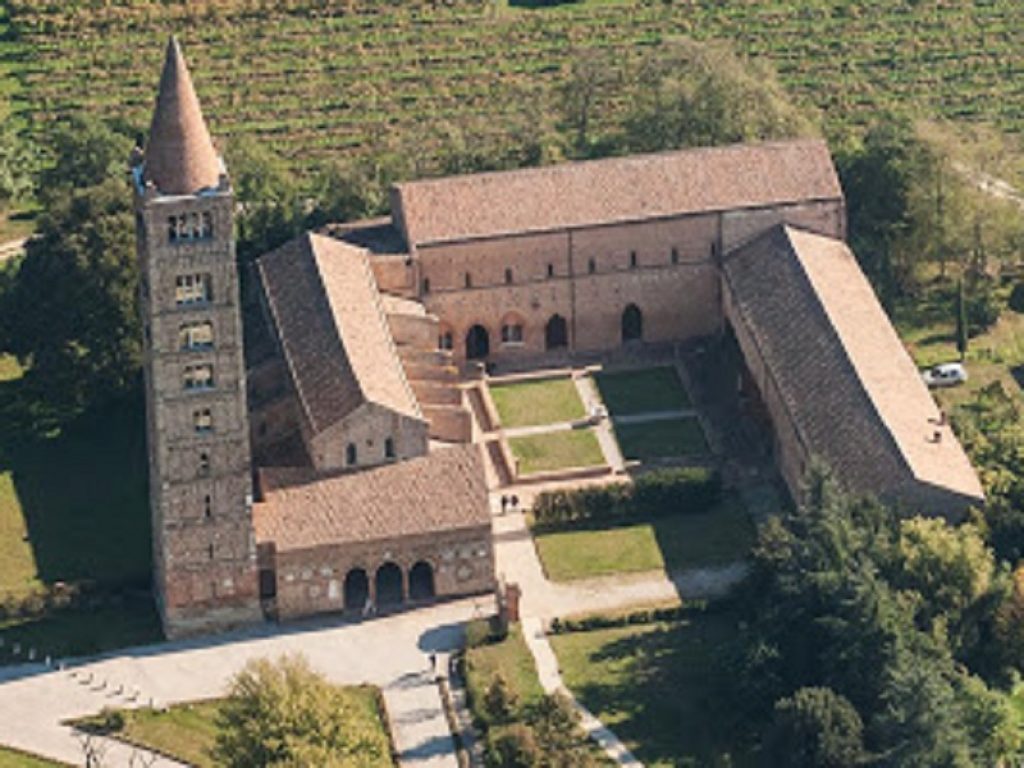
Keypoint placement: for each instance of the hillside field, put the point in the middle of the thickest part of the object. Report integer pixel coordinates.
(320, 79)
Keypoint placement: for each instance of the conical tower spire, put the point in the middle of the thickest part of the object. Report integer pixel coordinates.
(180, 157)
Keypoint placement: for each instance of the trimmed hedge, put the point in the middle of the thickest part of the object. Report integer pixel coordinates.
(680, 490)
(643, 616)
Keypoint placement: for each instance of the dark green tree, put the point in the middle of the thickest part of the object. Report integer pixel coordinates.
(70, 312)
(86, 152)
(816, 728)
(16, 166)
(961, 320)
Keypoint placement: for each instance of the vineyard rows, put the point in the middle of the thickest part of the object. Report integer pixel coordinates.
(321, 78)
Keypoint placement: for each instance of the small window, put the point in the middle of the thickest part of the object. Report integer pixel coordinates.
(203, 420)
(172, 229)
(591, 266)
(512, 333)
(508, 277)
(445, 340)
(193, 336)
(469, 280)
(206, 230)
(632, 259)
(204, 463)
(426, 285)
(207, 513)
(714, 250)
(209, 551)
(351, 454)
(389, 448)
(193, 289)
(675, 255)
(197, 377)
(551, 270)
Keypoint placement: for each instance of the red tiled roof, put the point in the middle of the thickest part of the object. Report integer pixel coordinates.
(328, 315)
(180, 158)
(444, 490)
(854, 394)
(614, 190)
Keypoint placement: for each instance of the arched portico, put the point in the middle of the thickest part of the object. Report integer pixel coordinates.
(478, 343)
(421, 581)
(388, 585)
(632, 324)
(556, 333)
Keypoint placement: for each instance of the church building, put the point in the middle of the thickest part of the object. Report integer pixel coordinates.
(324, 461)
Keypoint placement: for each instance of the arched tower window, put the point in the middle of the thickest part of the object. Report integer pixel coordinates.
(351, 454)
(508, 276)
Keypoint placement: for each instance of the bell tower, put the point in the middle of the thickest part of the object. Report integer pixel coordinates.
(204, 554)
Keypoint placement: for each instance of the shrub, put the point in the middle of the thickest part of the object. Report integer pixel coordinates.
(662, 492)
(982, 309)
(1016, 301)
(512, 746)
(500, 701)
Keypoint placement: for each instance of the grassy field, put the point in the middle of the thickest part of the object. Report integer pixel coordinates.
(654, 686)
(652, 389)
(556, 450)
(668, 543)
(12, 758)
(545, 401)
(661, 439)
(319, 79)
(188, 732)
(74, 509)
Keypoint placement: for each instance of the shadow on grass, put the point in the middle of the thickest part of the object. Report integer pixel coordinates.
(82, 489)
(660, 686)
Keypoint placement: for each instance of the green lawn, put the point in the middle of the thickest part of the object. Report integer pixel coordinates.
(188, 732)
(544, 401)
(643, 391)
(654, 685)
(509, 658)
(661, 439)
(13, 758)
(556, 450)
(670, 543)
(74, 509)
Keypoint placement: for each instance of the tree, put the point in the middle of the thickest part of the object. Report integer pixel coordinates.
(500, 701)
(691, 94)
(71, 311)
(86, 153)
(817, 728)
(961, 320)
(588, 77)
(512, 746)
(284, 714)
(16, 166)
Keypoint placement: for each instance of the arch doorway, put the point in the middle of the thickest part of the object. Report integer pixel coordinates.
(632, 324)
(421, 581)
(357, 589)
(478, 343)
(389, 585)
(556, 334)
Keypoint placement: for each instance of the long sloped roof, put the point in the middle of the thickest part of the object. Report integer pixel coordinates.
(856, 397)
(180, 158)
(615, 190)
(444, 490)
(328, 316)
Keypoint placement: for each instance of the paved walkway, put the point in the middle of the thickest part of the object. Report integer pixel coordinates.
(588, 393)
(390, 652)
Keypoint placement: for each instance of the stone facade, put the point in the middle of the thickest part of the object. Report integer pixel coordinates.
(588, 277)
(203, 546)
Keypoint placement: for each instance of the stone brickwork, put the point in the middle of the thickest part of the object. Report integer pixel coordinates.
(461, 562)
(204, 555)
(666, 268)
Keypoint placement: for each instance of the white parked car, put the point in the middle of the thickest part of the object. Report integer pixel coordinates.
(945, 375)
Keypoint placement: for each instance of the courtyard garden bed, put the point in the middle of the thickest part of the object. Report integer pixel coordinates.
(556, 450)
(665, 438)
(188, 732)
(656, 685)
(671, 543)
(535, 402)
(642, 391)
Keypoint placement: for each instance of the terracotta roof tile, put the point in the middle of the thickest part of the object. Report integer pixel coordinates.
(614, 190)
(443, 490)
(180, 158)
(329, 318)
(856, 397)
